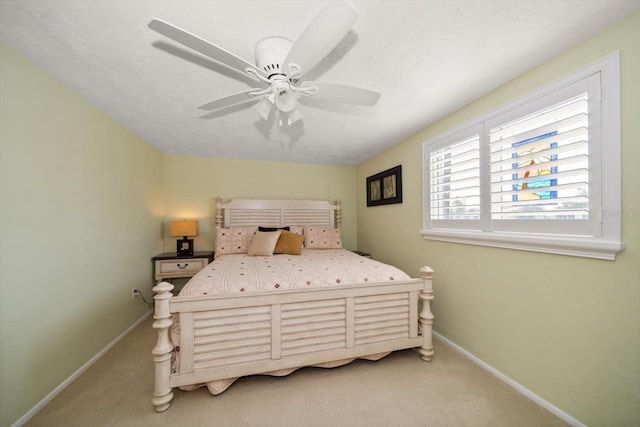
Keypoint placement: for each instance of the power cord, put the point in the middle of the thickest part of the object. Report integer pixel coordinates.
(137, 292)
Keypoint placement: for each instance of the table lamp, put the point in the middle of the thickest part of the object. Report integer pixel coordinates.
(184, 228)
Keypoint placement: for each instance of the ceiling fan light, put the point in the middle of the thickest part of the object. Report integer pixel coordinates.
(263, 108)
(286, 101)
(294, 116)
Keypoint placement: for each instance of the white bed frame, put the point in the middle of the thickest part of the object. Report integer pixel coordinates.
(227, 336)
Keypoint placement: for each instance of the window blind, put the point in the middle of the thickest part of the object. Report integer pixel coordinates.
(539, 164)
(455, 180)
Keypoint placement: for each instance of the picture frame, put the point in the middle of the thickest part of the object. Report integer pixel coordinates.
(385, 188)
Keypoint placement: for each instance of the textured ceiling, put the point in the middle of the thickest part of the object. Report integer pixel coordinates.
(426, 58)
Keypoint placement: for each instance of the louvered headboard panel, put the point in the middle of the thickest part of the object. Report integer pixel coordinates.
(277, 213)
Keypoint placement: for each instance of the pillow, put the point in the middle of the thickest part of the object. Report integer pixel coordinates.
(272, 228)
(319, 237)
(263, 243)
(289, 243)
(235, 240)
(298, 229)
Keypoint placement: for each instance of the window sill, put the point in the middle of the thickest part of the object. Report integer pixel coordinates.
(588, 247)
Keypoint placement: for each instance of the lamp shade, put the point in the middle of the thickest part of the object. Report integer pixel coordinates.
(185, 228)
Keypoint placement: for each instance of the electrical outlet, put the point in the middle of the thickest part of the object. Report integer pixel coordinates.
(134, 292)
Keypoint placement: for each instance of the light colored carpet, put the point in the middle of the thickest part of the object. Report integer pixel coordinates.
(399, 390)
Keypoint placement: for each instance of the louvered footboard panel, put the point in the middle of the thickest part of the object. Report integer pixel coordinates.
(381, 318)
(231, 336)
(313, 326)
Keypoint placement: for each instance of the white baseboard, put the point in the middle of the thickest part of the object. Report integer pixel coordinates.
(56, 391)
(519, 387)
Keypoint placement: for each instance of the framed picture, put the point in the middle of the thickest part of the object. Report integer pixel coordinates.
(385, 188)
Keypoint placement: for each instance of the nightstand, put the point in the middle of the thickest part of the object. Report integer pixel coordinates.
(364, 254)
(171, 266)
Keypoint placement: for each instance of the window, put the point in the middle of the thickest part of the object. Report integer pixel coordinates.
(541, 173)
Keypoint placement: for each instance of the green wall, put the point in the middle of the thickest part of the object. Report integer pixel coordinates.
(192, 183)
(81, 208)
(566, 328)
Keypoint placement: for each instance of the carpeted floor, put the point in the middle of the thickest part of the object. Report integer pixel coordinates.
(399, 390)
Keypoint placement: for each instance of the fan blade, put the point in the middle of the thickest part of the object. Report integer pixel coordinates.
(321, 35)
(236, 98)
(200, 45)
(343, 94)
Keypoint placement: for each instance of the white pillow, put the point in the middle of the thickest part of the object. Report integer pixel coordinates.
(264, 242)
(298, 229)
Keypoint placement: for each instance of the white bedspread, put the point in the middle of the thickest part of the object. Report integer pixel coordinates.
(315, 267)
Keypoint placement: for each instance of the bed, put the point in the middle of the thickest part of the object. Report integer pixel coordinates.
(216, 330)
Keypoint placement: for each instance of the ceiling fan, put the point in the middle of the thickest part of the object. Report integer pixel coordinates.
(281, 65)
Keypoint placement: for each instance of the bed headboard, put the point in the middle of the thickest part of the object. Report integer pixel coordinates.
(277, 213)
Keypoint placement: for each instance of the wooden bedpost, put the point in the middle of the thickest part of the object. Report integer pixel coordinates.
(338, 214)
(218, 215)
(426, 317)
(162, 394)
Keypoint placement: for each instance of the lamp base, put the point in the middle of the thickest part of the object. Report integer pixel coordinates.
(184, 247)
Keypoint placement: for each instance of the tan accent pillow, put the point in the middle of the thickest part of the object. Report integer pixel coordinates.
(318, 237)
(263, 243)
(235, 240)
(289, 243)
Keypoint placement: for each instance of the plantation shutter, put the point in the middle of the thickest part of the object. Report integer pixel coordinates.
(454, 183)
(539, 174)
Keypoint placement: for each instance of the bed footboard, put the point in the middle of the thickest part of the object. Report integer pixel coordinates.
(228, 336)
